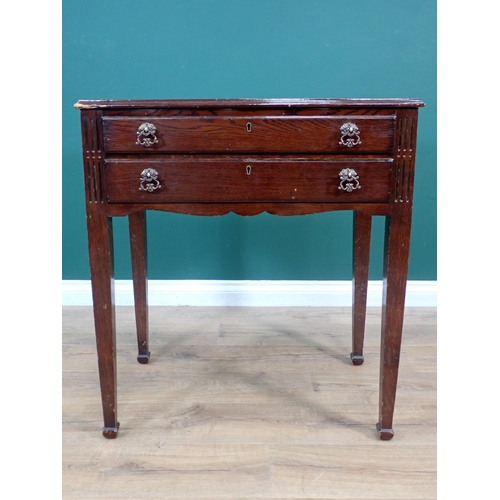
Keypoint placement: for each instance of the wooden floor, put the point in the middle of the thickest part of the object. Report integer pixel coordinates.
(247, 403)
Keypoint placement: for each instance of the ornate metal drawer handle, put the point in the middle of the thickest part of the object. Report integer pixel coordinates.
(349, 180)
(149, 180)
(146, 135)
(350, 135)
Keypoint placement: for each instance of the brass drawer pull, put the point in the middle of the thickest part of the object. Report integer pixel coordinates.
(146, 135)
(349, 180)
(350, 135)
(149, 180)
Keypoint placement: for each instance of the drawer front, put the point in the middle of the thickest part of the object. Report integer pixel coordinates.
(250, 180)
(271, 134)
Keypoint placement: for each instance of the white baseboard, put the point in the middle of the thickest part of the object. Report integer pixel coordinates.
(249, 293)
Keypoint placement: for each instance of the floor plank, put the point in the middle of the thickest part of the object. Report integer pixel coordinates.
(249, 403)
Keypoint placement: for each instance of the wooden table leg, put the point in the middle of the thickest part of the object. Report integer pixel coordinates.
(362, 226)
(101, 270)
(138, 250)
(396, 253)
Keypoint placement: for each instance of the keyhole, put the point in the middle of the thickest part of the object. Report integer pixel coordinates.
(249, 169)
(249, 127)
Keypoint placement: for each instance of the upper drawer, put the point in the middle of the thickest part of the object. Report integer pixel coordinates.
(249, 134)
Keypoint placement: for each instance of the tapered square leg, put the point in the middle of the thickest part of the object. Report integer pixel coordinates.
(362, 225)
(396, 254)
(101, 271)
(138, 250)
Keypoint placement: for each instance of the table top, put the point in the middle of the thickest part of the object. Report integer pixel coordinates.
(224, 103)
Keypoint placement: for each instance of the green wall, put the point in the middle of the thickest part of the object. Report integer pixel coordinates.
(165, 49)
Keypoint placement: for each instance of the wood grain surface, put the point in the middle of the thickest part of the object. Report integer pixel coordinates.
(247, 180)
(247, 134)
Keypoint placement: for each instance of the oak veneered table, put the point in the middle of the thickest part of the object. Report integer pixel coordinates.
(248, 156)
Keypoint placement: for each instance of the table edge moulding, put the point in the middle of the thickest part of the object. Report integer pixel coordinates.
(248, 156)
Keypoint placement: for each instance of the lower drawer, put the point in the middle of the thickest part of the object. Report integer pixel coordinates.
(247, 180)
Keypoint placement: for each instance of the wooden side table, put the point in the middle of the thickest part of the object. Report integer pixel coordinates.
(282, 156)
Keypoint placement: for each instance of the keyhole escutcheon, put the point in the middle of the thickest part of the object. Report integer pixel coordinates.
(249, 127)
(249, 169)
